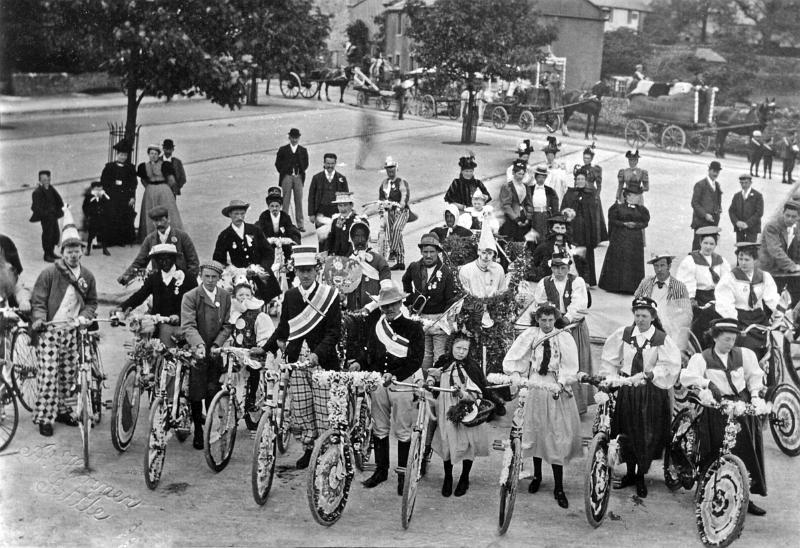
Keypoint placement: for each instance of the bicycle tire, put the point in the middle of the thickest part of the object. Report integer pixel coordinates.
(784, 421)
(362, 436)
(285, 431)
(330, 456)
(85, 417)
(262, 469)
(723, 492)
(508, 490)
(125, 407)
(184, 426)
(597, 481)
(25, 369)
(677, 475)
(9, 414)
(156, 450)
(226, 437)
(253, 418)
(792, 368)
(412, 478)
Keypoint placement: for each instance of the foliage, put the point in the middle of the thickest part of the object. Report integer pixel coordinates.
(460, 250)
(774, 20)
(622, 50)
(358, 35)
(673, 21)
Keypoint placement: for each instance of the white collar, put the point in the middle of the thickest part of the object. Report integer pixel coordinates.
(712, 183)
(163, 237)
(294, 147)
(306, 293)
(75, 271)
(645, 335)
(212, 296)
(169, 275)
(239, 231)
(329, 177)
(722, 357)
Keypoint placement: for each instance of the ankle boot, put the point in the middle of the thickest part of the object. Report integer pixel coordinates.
(426, 458)
(381, 474)
(197, 419)
(402, 460)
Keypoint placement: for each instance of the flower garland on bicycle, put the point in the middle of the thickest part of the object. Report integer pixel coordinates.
(311, 313)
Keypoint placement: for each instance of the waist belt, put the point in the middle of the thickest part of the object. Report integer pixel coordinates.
(540, 210)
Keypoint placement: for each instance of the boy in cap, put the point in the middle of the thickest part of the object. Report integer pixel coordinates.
(775, 255)
(95, 212)
(47, 209)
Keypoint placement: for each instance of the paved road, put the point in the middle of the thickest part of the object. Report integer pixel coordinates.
(232, 156)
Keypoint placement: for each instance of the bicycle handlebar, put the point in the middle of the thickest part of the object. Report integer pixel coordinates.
(426, 386)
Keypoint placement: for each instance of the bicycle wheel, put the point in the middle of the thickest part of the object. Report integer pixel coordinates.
(9, 414)
(721, 501)
(597, 484)
(285, 431)
(252, 418)
(262, 469)
(508, 489)
(413, 468)
(25, 370)
(329, 478)
(184, 424)
(125, 407)
(362, 436)
(784, 421)
(157, 438)
(678, 470)
(220, 431)
(85, 416)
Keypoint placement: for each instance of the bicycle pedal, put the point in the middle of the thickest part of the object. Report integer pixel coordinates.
(369, 467)
(498, 445)
(108, 404)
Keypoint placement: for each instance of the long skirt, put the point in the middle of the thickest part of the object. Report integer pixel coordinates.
(456, 442)
(552, 428)
(642, 420)
(157, 195)
(584, 394)
(539, 224)
(600, 220)
(749, 444)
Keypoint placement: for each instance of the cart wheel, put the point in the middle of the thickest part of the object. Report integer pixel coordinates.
(698, 143)
(526, 120)
(428, 107)
(499, 117)
(309, 89)
(552, 122)
(453, 109)
(290, 85)
(784, 421)
(673, 139)
(637, 133)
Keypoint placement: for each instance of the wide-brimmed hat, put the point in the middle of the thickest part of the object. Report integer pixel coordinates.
(466, 162)
(123, 146)
(430, 239)
(163, 249)
(390, 162)
(389, 293)
(655, 257)
(274, 194)
(715, 166)
(644, 302)
(541, 169)
(630, 154)
(294, 132)
(157, 212)
(304, 255)
(726, 325)
(708, 230)
(343, 198)
(234, 205)
(216, 266)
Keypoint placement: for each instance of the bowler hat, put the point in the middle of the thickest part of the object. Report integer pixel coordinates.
(168, 143)
(157, 212)
(294, 132)
(234, 205)
(715, 166)
(430, 239)
(274, 194)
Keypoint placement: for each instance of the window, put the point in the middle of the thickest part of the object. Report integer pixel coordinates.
(399, 24)
(607, 14)
(610, 15)
(633, 16)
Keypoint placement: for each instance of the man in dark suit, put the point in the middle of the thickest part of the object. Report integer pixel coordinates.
(777, 255)
(168, 148)
(292, 163)
(186, 259)
(324, 187)
(310, 313)
(242, 244)
(706, 202)
(338, 242)
(747, 208)
(277, 226)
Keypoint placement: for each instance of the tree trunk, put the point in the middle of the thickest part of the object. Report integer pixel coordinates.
(704, 26)
(130, 119)
(252, 92)
(469, 126)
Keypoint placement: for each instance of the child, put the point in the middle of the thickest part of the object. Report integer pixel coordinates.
(251, 329)
(48, 208)
(766, 156)
(479, 214)
(455, 441)
(95, 212)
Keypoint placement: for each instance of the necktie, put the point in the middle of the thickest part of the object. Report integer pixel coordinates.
(714, 275)
(752, 300)
(660, 285)
(637, 364)
(546, 354)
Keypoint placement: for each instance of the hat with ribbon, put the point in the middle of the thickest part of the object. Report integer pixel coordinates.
(745, 176)
(726, 325)
(559, 259)
(343, 198)
(274, 194)
(304, 255)
(630, 154)
(655, 257)
(541, 169)
(163, 249)
(390, 293)
(644, 302)
(390, 162)
(430, 239)
(524, 147)
(466, 162)
(153, 146)
(519, 165)
(233, 206)
(552, 145)
(557, 219)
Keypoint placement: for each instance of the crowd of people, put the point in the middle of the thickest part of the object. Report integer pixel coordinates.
(532, 251)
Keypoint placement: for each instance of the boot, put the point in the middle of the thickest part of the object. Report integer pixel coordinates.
(426, 457)
(447, 485)
(106, 252)
(197, 419)
(463, 481)
(381, 474)
(402, 460)
(302, 462)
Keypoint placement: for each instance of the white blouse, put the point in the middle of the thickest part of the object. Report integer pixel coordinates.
(731, 294)
(664, 360)
(749, 375)
(696, 277)
(563, 357)
(579, 301)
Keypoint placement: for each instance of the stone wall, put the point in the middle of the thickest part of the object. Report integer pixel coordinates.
(29, 84)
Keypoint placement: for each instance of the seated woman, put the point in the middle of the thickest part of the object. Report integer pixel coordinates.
(700, 271)
(745, 293)
(450, 227)
(733, 373)
(552, 426)
(480, 214)
(643, 413)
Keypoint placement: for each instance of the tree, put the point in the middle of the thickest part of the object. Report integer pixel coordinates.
(672, 21)
(774, 20)
(623, 49)
(358, 36)
(491, 37)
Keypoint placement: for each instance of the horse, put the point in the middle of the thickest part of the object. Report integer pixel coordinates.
(589, 103)
(744, 122)
(336, 77)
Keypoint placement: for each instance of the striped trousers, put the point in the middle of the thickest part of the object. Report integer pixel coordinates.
(58, 366)
(309, 406)
(396, 220)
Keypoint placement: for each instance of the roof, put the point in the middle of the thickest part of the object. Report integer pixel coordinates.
(633, 5)
(576, 9)
(708, 54)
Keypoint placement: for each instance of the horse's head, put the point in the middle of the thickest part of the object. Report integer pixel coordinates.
(600, 89)
(348, 71)
(766, 110)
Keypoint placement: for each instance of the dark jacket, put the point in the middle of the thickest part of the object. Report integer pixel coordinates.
(321, 193)
(95, 212)
(321, 340)
(440, 292)
(286, 229)
(287, 162)
(47, 204)
(51, 286)
(178, 172)
(187, 259)
(705, 201)
(244, 252)
(457, 230)
(375, 357)
(338, 242)
(749, 211)
(166, 298)
(461, 191)
(472, 370)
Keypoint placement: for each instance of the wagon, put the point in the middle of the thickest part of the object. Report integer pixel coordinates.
(367, 90)
(672, 122)
(294, 83)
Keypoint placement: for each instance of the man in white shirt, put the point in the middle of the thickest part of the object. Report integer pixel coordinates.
(670, 295)
(483, 277)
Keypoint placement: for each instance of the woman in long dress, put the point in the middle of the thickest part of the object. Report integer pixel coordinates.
(119, 183)
(594, 180)
(642, 415)
(623, 268)
(158, 178)
(581, 199)
(516, 205)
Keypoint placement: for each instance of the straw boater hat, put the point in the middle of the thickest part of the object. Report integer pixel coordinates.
(153, 146)
(655, 257)
(388, 294)
(744, 176)
(304, 255)
(390, 162)
(234, 205)
(163, 249)
(541, 169)
(343, 198)
(274, 194)
(708, 231)
(69, 232)
(726, 325)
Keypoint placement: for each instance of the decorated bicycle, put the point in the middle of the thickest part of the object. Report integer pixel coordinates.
(21, 367)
